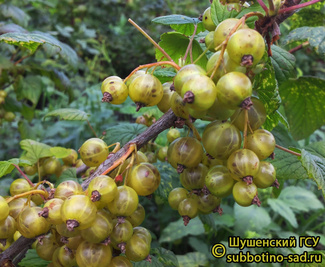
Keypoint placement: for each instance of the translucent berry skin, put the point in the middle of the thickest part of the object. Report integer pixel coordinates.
(246, 42)
(173, 134)
(219, 181)
(262, 142)
(162, 153)
(100, 229)
(7, 228)
(46, 248)
(16, 206)
(193, 178)
(223, 29)
(122, 232)
(68, 188)
(164, 104)
(244, 194)
(63, 256)
(89, 254)
(207, 20)
(125, 202)
(19, 186)
(63, 230)
(212, 62)
(54, 210)
(256, 116)
(71, 158)
(186, 151)
(137, 217)
(51, 166)
(30, 224)
(93, 152)
(179, 107)
(175, 196)
(188, 207)
(219, 111)
(106, 187)
(146, 89)
(137, 248)
(144, 179)
(243, 163)
(204, 91)
(79, 208)
(185, 73)
(120, 261)
(266, 175)
(233, 88)
(4, 209)
(142, 233)
(220, 139)
(209, 43)
(207, 203)
(117, 88)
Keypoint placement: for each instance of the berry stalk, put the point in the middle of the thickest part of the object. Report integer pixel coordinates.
(32, 192)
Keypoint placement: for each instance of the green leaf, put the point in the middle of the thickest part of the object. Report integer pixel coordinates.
(165, 74)
(123, 133)
(283, 137)
(166, 257)
(60, 152)
(35, 150)
(192, 259)
(303, 101)
(283, 63)
(175, 45)
(208, 220)
(31, 41)
(300, 199)
(33, 260)
(68, 114)
(255, 218)
(188, 29)
(177, 230)
(315, 167)
(220, 12)
(273, 119)
(266, 87)
(30, 88)
(11, 27)
(175, 20)
(256, 7)
(288, 166)
(281, 207)
(314, 35)
(15, 13)
(68, 174)
(302, 18)
(169, 180)
(5, 168)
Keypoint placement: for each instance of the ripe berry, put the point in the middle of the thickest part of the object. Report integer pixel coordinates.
(220, 139)
(137, 248)
(176, 196)
(51, 166)
(188, 208)
(30, 170)
(246, 47)
(208, 40)
(71, 158)
(146, 91)
(173, 134)
(207, 20)
(179, 107)
(256, 116)
(208, 203)
(46, 247)
(19, 186)
(125, 202)
(266, 175)
(16, 206)
(144, 179)
(233, 88)
(78, 211)
(244, 194)
(219, 181)
(93, 152)
(52, 211)
(164, 104)
(63, 256)
(261, 142)
(162, 153)
(219, 111)
(89, 254)
(120, 261)
(243, 163)
(137, 217)
(122, 232)
(63, 230)
(4, 209)
(193, 178)
(114, 90)
(7, 227)
(68, 188)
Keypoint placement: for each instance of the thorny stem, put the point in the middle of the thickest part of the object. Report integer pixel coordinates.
(288, 150)
(292, 8)
(299, 47)
(23, 174)
(160, 63)
(92, 129)
(245, 127)
(150, 39)
(264, 6)
(189, 47)
(32, 192)
(131, 148)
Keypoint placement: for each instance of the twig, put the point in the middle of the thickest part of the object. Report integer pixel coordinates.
(21, 59)
(189, 47)
(292, 8)
(288, 150)
(23, 174)
(20, 256)
(299, 47)
(150, 39)
(165, 122)
(92, 129)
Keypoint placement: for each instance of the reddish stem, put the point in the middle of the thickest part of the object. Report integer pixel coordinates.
(288, 150)
(299, 47)
(23, 174)
(288, 9)
(263, 6)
